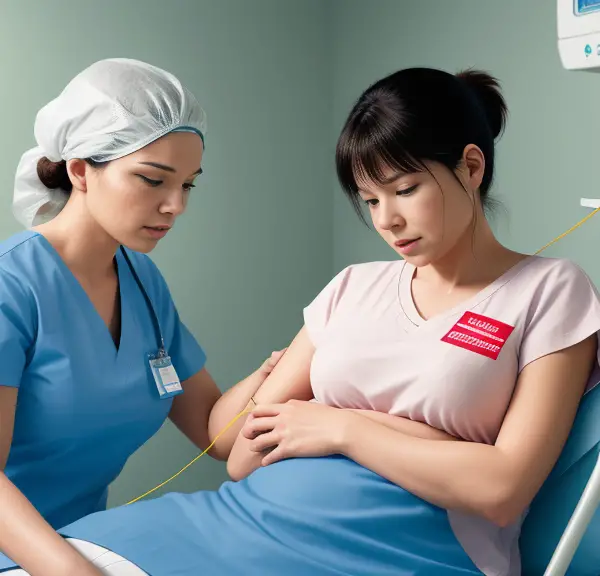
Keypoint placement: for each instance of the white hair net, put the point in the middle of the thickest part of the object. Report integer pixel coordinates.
(111, 109)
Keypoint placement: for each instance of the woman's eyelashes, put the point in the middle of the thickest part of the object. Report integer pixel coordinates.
(406, 191)
(150, 181)
(187, 186)
(403, 192)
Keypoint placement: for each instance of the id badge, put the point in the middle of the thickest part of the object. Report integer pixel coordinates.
(165, 376)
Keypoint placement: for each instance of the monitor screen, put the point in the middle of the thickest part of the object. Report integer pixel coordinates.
(586, 6)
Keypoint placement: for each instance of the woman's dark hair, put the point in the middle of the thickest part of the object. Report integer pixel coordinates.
(415, 115)
(54, 174)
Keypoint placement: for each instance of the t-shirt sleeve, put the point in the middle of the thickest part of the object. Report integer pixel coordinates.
(318, 313)
(564, 312)
(17, 329)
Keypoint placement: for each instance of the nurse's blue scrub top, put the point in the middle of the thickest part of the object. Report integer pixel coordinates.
(83, 405)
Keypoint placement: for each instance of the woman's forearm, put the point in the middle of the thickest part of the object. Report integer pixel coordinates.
(406, 426)
(244, 461)
(465, 476)
(289, 379)
(29, 541)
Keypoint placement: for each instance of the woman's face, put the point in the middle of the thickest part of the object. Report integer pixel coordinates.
(424, 216)
(136, 199)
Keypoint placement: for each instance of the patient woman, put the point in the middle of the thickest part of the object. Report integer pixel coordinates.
(425, 400)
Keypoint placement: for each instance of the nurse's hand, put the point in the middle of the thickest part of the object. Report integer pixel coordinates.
(296, 429)
(270, 363)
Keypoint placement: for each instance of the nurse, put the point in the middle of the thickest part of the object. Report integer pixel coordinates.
(94, 355)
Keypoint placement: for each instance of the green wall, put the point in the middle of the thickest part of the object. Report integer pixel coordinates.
(255, 244)
(547, 158)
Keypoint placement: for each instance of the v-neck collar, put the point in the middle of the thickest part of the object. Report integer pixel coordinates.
(122, 279)
(407, 303)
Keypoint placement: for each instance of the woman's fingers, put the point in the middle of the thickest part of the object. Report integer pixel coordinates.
(278, 453)
(256, 426)
(265, 441)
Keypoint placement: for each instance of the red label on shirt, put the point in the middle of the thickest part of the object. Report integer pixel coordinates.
(479, 334)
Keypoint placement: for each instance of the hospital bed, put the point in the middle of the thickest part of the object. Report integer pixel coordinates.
(110, 563)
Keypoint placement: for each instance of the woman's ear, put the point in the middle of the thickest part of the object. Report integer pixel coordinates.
(473, 162)
(77, 171)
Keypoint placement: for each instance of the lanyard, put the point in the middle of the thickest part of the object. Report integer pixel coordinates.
(157, 331)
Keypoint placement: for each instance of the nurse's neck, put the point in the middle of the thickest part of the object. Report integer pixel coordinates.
(81, 242)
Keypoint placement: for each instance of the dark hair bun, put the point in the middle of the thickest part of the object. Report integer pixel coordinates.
(54, 174)
(487, 89)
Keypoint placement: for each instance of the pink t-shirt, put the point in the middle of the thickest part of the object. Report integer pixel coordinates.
(457, 370)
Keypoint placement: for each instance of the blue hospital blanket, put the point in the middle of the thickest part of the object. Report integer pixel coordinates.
(316, 516)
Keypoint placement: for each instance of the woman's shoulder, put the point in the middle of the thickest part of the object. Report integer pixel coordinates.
(543, 286)
(546, 265)
(353, 283)
(544, 275)
(368, 274)
(19, 245)
(559, 306)
(22, 280)
(21, 260)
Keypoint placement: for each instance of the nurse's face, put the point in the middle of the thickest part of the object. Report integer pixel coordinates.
(136, 199)
(423, 216)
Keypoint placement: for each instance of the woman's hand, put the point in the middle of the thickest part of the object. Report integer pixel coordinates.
(296, 429)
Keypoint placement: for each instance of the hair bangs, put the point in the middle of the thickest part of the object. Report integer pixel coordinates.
(372, 151)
